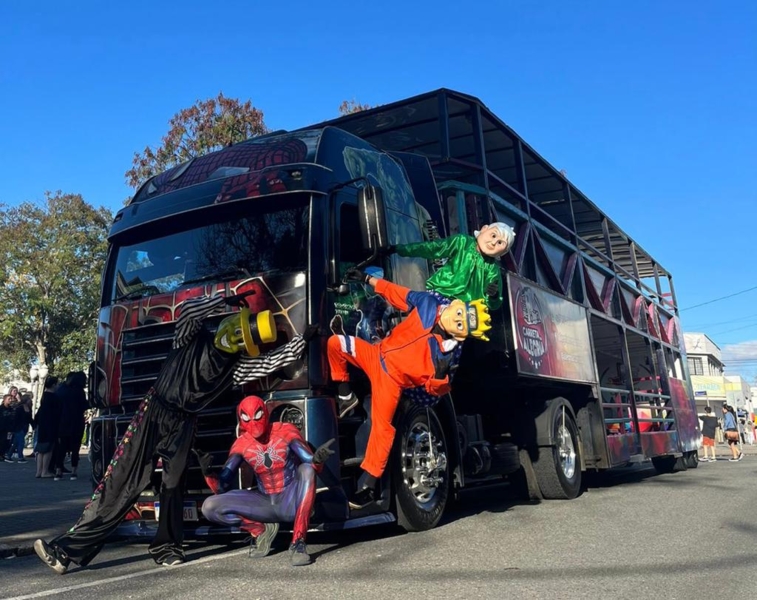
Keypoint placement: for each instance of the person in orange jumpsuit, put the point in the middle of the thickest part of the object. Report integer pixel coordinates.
(416, 353)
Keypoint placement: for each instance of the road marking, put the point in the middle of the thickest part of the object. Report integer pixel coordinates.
(153, 571)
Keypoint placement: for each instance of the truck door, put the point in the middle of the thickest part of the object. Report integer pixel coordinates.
(364, 314)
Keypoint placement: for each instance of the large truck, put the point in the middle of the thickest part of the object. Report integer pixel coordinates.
(585, 369)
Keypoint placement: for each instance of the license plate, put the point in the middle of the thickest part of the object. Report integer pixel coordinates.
(190, 510)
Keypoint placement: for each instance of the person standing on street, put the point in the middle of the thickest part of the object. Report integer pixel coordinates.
(709, 425)
(22, 419)
(73, 405)
(731, 428)
(46, 425)
(7, 416)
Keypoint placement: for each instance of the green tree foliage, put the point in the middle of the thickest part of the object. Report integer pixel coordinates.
(52, 257)
(206, 126)
(352, 106)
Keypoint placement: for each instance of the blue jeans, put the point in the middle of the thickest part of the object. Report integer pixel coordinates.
(17, 445)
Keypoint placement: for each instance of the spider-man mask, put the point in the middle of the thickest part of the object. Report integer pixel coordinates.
(253, 416)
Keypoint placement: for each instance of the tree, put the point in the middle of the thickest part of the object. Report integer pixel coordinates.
(349, 107)
(205, 126)
(52, 257)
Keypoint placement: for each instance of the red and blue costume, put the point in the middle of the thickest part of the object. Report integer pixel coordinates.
(285, 469)
(416, 353)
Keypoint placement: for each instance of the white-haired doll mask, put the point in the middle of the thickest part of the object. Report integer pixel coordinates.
(495, 239)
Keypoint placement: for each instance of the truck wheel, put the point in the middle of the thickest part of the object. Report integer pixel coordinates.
(669, 464)
(691, 459)
(558, 468)
(420, 470)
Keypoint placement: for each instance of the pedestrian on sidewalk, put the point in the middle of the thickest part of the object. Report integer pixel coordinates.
(73, 404)
(7, 418)
(731, 428)
(46, 426)
(22, 420)
(709, 425)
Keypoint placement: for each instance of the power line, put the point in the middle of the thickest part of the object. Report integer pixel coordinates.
(690, 327)
(719, 299)
(734, 329)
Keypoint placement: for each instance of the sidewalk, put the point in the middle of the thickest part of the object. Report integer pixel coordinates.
(32, 508)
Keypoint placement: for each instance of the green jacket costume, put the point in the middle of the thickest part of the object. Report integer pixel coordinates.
(466, 273)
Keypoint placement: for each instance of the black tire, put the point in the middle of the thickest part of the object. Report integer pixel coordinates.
(558, 467)
(691, 459)
(419, 506)
(669, 464)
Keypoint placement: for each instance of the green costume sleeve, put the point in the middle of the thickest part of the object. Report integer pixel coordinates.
(431, 250)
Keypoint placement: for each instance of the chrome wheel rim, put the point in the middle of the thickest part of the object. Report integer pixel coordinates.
(424, 463)
(566, 452)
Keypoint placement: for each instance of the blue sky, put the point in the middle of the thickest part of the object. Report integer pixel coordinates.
(649, 106)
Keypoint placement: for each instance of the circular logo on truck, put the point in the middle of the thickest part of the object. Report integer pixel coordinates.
(532, 338)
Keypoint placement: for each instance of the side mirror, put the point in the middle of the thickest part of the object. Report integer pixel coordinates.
(95, 386)
(372, 217)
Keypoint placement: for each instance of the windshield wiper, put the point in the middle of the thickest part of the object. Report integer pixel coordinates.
(137, 293)
(223, 276)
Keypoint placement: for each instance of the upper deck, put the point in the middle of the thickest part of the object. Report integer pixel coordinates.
(464, 141)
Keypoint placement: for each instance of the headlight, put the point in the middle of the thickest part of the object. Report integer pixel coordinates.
(289, 414)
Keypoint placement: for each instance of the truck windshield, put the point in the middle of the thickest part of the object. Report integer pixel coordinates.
(256, 240)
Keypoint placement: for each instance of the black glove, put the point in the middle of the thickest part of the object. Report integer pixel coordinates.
(238, 299)
(206, 462)
(354, 274)
(323, 452)
(492, 289)
(310, 332)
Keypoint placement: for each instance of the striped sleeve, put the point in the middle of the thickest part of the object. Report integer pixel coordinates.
(193, 312)
(248, 368)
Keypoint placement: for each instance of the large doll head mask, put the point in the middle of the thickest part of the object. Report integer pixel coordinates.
(252, 414)
(243, 332)
(495, 239)
(462, 319)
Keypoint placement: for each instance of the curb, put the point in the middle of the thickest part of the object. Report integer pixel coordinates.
(16, 551)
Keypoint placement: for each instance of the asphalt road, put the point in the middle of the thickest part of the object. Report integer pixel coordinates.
(634, 534)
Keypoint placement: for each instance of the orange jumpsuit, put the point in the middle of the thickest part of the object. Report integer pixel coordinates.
(408, 357)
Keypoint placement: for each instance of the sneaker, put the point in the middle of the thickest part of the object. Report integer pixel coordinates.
(48, 556)
(345, 404)
(705, 459)
(73, 477)
(740, 456)
(733, 459)
(58, 476)
(261, 545)
(298, 554)
(8, 460)
(363, 498)
(22, 460)
(172, 561)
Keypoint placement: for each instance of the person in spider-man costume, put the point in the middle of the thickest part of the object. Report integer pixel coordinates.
(285, 468)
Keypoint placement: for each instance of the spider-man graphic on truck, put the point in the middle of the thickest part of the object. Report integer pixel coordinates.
(584, 369)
